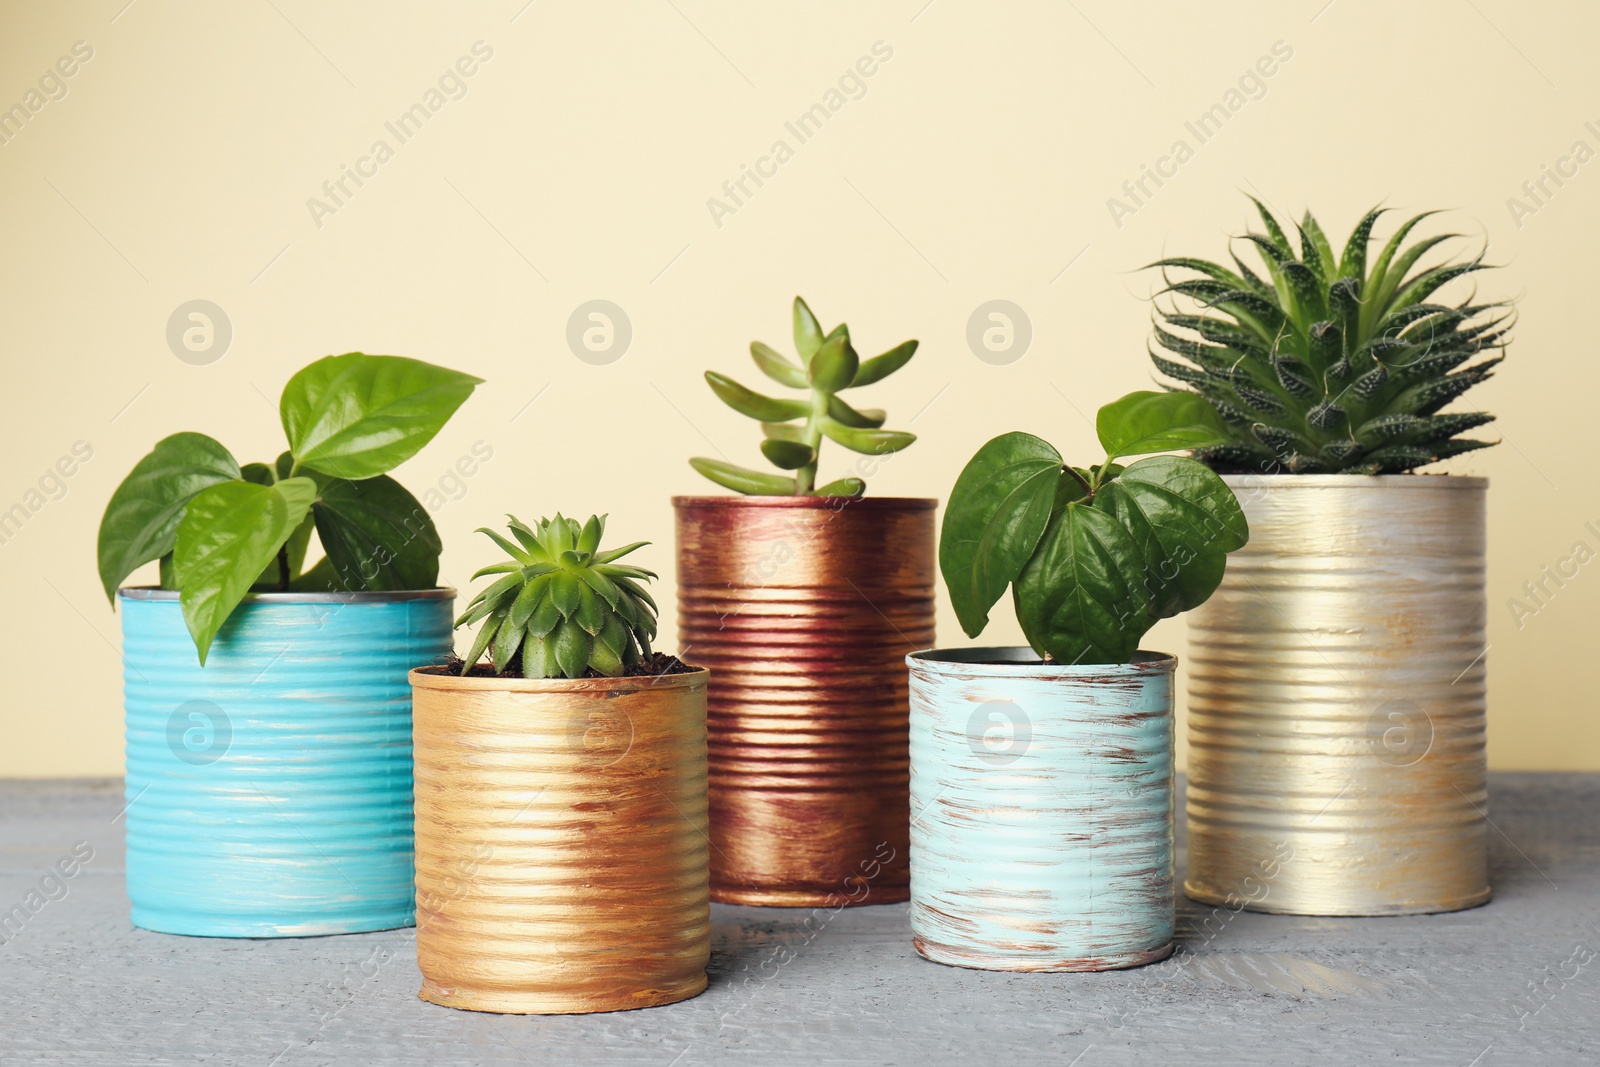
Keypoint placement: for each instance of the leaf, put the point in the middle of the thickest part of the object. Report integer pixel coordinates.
(1081, 597)
(878, 368)
(572, 645)
(295, 550)
(593, 531)
(789, 455)
(807, 331)
(486, 634)
(141, 521)
(1185, 519)
(776, 367)
(507, 640)
(784, 431)
(865, 418)
(834, 366)
(751, 403)
(998, 510)
(377, 535)
(1158, 422)
(743, 480)
(356, 416)
(564, 593)
(228, 535)
(592, 612)
(617, 553)
(842, 487)
(871, 442)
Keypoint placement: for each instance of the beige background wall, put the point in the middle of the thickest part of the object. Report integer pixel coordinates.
(576, 163)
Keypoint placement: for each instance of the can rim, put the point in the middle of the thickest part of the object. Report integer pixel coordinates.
(444, 592)
(1356, 481)
(455, 683)
(869, 503)
(1010, 661)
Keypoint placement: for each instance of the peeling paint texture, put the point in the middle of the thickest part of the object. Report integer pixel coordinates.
(269, 792)
(1041, 803)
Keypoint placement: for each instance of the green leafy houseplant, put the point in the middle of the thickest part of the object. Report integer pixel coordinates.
(1094, 556)
(221, 530)
(562, 607)
(794, 428)
(1331, 364)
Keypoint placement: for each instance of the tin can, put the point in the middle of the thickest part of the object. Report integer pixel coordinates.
(804, 609)
(1337, 700)
(561, 842)
(1041, 810)
(269, 792)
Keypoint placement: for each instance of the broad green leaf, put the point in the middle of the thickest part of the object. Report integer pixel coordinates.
(742, 479)
(788, 455)
(871, 442)
(228, 535)
(377, 535)
(1158, 422)
(834, 365)
(807, 331)
(776, 367)
(141, 521)
(356, 416)
(842, 487)
(878, 368)
(1081, 597)
(755, 405)
(1186, 521)
(998, 510)
(295, 549)
(864, 418)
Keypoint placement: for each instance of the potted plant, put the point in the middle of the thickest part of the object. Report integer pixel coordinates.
(1336, 706)
(268, 723)
(561, 792)
(802, 599)
(1041, 777)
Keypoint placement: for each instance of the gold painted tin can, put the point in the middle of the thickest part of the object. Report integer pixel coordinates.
(561, 841)
(804, 608)
(1337, 685)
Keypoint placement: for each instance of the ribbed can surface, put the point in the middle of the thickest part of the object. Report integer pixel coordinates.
(1041, 810)
(804, 609)
(561, 842)
(1337, 698)
(269, 792)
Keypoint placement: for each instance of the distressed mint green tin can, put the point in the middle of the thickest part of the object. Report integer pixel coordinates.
(269, 792)
(1041, 810)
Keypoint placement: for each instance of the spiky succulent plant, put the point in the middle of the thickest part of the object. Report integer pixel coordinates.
(794, 429)
(1331, 364)
(564, 605)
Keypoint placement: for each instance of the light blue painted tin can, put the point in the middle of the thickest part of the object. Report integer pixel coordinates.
(269, 792)
(1041, 810)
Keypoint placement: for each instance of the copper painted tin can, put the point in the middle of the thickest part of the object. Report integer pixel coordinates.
(561, 842)
(1337, 689)
(804, 608)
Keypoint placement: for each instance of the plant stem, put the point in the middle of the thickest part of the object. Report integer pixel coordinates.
(1087, 488)
(283, 568)
(805, 479)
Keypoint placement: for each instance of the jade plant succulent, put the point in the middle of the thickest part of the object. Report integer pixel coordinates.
(794, 428)
(1095, 556)
(1331, 363)
(221, 529)
(562, 607)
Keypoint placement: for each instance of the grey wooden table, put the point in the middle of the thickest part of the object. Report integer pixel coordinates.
(1501, 984)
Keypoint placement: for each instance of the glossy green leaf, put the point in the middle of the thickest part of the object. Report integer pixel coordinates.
(807, 331)
(356, 416)
(572, 647)
(880, 367)
(141, 521)
(1158, 422)
(486, 634)
(864, 418)
(998, 510)
(784, 431)
(1185, 519)
(834, 365)
(788, 455)
(228, 535)
(842, 487)
(377, 535)
(755, 405)
(564, 593)
(1081, 597)
(593, 531)
(870, 442)
(776, 367)
(742, 479)
(507, 639)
